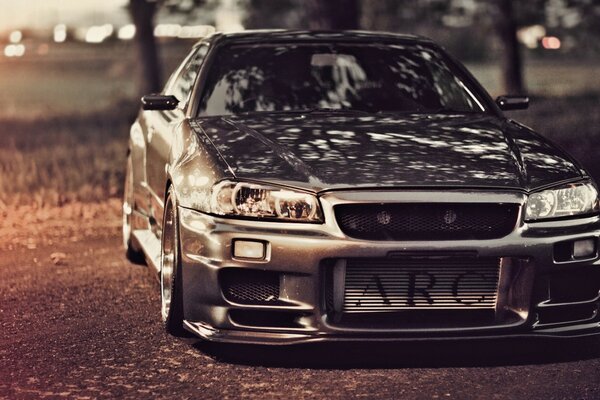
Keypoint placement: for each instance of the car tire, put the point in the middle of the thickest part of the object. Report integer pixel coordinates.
(132, 253)
(171, 298)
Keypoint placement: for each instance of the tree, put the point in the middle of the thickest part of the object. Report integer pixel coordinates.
(512, 65)
(418, 16)
(578, 21)
(333, 14)
(302, 14)
(142, 13)
(463, 18)
(149, 76)
(281, 14)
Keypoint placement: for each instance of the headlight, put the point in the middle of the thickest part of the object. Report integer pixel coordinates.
(260, 201)
(573, 199)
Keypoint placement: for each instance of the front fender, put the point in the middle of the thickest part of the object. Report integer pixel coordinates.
(194, 168)
(137, 152)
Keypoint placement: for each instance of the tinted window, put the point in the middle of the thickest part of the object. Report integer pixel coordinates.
(184, 82)
(373, 78)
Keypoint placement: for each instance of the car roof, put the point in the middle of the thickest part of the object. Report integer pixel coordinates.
(282, 35)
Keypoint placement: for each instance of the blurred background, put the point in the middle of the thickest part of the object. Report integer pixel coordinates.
(72, 71)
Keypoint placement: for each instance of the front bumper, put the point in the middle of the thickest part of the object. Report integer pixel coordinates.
(539, 297)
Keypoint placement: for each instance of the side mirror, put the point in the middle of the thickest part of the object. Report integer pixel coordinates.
(507, 103)
(159, 102)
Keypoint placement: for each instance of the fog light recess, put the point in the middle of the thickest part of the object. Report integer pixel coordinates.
(249, 249)
(585, 248)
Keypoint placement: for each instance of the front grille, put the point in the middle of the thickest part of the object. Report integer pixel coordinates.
(431, 221)
(245, 286)
(384, 284)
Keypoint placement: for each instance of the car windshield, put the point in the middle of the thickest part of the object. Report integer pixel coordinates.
(361, 77)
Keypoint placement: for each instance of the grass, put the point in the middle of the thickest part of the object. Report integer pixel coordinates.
(55, 160)
(74, 79)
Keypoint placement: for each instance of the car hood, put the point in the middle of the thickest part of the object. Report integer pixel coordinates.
(333, 150)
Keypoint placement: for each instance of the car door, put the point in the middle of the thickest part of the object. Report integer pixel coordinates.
(162, 126)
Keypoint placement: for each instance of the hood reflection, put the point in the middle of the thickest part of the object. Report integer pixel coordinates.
(323, 150)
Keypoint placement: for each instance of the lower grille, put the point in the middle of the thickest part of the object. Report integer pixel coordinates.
(567, 297)
(380, 285)
(258, 318)
(433, 221)
(250, 286)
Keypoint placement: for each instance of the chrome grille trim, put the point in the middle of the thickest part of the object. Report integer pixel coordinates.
(381, 285)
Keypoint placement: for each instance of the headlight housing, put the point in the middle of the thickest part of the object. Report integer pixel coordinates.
(569, 200)
(252, 200)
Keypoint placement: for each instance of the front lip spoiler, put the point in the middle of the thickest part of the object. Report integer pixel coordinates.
(212, 334)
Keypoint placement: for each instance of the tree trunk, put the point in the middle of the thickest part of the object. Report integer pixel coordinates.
(333, 14)
(142, 13)
(380, 15)
(512, 68)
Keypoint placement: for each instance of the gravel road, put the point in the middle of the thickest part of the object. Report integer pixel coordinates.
(79, 321)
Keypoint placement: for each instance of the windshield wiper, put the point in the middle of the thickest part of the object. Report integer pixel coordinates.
(268, 112)
(329, 109)
(445, 110)
(299, 111)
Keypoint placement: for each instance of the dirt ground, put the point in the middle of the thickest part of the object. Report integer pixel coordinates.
(79, 321)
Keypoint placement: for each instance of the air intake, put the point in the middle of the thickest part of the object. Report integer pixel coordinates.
(247, 286)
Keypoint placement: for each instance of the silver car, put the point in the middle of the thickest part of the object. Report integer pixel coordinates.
(293, 186)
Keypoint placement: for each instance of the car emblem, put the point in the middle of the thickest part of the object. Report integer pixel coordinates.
(450, 217)
(384, 217)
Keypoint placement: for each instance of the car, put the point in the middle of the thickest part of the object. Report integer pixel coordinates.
(298, 186)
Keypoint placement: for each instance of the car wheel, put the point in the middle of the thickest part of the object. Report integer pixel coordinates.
(170, 270)
(133, 254)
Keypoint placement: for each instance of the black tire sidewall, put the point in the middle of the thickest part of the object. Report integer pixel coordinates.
(132, 253)
(174, 321)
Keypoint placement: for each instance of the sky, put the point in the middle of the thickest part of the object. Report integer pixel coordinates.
(47, 13)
